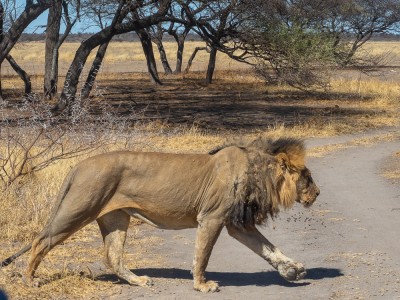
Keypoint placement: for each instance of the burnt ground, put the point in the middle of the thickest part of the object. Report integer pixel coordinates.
(224, 105)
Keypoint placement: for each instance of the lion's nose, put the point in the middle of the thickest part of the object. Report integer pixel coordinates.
(318, 192)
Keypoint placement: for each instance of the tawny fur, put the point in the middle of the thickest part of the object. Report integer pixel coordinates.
(237, 186)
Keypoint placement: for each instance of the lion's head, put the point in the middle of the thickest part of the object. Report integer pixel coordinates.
(307, 190)
(276, 177)
(295, 183)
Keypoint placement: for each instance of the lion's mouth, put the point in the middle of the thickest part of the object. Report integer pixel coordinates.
(306, 204)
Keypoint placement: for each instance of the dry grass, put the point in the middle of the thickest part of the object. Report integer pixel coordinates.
(389, 50)
(26, 205)
(120, 57)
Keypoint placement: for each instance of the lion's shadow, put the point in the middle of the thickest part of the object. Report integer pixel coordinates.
(237, 278)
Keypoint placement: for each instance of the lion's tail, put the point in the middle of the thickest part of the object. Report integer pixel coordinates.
(63, 192)
(13, 257)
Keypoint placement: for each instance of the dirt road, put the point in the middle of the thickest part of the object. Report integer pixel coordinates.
(349, 240)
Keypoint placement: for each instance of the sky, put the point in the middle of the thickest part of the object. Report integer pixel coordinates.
(38, 25)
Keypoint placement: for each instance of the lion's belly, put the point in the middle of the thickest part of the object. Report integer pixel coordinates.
(163, 221)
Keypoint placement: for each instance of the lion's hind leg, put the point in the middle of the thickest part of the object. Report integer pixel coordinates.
(40, 247)
(59, 229)
(113, 227)
(253, 239)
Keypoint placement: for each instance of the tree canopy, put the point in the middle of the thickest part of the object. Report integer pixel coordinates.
(291, 41)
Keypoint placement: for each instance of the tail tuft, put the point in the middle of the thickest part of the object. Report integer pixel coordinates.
(10, 259)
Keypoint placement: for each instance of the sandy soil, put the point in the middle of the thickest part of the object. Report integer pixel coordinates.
(349, 240)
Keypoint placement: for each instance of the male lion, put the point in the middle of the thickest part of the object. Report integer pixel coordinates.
(232, 186)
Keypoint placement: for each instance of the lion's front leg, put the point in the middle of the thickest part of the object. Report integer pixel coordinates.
(207, 235)
(253, 239)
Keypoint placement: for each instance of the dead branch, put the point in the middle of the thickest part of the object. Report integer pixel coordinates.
(190, 61)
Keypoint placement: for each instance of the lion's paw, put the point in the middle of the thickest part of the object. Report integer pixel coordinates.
(205, 287)
(28, 281)
(292, 271)
(144, 281)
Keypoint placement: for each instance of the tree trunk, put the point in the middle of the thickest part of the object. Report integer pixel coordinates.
(52, 37)
(211, 65)
(180, 38)
(190, 61)
(147, 46)
(179, 54)
(87, 88)
(55, 54)
(72, 78)
(163, 56)
(22, 74)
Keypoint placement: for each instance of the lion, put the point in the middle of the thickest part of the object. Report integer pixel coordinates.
(233, 186)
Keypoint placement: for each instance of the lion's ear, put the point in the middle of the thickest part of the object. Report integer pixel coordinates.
(283, 160)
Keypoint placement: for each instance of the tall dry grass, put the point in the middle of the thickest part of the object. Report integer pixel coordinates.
(120, 57)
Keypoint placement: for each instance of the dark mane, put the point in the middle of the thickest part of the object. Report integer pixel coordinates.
(219, 148)
(257, 193)
(267, 145)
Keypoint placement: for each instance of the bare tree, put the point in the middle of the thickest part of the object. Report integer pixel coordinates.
(178, 26)
(146, 42)
(147, 46)
(156, 33)
(99, 12)
(191, 58)
(354, 22)
(180, 30)
(217, 23)
(117, 27)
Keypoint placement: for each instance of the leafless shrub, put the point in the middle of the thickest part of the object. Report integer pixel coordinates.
(36, 139)
(304, 78)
